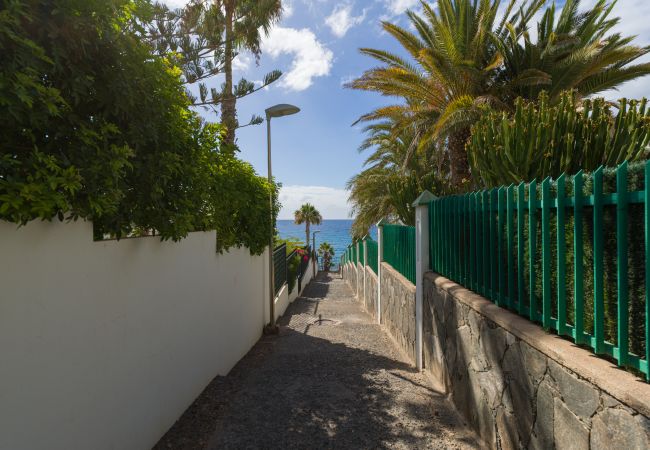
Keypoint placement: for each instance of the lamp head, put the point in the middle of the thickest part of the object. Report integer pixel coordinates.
(281, 110)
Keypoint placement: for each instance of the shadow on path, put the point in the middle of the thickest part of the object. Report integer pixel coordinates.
(335, 383)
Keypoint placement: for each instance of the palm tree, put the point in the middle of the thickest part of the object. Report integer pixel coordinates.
(308, 215)
(244, 23)
(395, 173)
(462, 59)
(453, 64)
(576, 51)
(326, 252)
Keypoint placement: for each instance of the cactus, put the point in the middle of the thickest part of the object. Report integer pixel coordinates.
(541, 140)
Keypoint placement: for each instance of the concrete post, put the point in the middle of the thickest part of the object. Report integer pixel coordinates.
(365, 261)
(380, 258)
(421, 266)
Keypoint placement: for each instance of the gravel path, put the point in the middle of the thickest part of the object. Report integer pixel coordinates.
(337, 383)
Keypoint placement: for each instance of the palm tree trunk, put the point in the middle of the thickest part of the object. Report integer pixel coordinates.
(228, 104)
(460, 176)
(307, 235)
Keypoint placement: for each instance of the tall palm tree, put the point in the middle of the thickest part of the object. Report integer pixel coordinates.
(326, 252)
(395, 173)
(573, 51)
(462, 58)
(307, 214)
(453, 62)
(244, 23)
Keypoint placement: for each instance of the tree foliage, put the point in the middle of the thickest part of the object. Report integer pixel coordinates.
(307, 214)
(468, 54)
(95, 126)
(204, 37)
(398, 169)
(542, 140)
(326, 252)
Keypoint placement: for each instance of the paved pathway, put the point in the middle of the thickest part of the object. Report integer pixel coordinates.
(336, 383)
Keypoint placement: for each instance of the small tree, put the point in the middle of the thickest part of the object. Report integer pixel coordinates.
(326, 252)
(307, 214)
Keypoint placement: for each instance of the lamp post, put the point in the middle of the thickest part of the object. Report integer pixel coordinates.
(274, 111)
(313, 246)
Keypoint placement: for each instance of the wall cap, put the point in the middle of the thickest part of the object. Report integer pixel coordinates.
(623, 386)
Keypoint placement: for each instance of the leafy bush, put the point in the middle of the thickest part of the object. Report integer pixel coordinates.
(95, 126)
(542, 140)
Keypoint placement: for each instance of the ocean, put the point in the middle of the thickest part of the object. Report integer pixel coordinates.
(335, 232)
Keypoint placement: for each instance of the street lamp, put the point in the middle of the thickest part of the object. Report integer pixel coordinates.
(280, 110)
(313, 251)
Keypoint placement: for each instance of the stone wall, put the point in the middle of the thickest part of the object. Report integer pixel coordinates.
(520, 387)
(370, 300)
(398, 308)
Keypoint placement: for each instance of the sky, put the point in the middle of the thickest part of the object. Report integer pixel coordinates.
(315, 45)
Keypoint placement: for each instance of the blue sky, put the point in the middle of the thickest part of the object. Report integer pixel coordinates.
(316, 47)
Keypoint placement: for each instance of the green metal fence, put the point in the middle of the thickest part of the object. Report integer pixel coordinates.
(571, 254)
(373, 250)
(399, 249)
(280, 266)
(362, 260)
(354, 253)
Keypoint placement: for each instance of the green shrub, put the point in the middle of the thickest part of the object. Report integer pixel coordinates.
(93, 125)
(541, 140)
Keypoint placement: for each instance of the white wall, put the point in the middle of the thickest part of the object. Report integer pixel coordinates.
(103, 345)
(282, 301)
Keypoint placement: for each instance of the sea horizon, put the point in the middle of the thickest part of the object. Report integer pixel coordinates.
(334, 231)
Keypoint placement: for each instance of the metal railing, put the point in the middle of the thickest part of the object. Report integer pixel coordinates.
(399, 249)
(280, 266)
(372, 248)
(571, 254)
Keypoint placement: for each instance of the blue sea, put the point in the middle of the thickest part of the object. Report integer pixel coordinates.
(335, 232)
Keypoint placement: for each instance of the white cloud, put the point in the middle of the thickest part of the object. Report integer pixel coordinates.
(396, 7)
(287, 9)
(341, 19)
(332, 203)
(311, 59)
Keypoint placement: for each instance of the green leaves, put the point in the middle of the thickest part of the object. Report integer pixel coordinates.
(95, 126)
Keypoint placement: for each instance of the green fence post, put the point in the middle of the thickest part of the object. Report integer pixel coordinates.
(493, 244)
(561, 256)
(546, 253)
(646, 198)
(510, 228)
(532, 248)
(599, 327)
(502, 245)
(621, 259)
(578, 263)
(485, 243)
(472, 243)
(521, 244)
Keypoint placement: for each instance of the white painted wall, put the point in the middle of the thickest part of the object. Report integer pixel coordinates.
(103, 345)
(282, 301)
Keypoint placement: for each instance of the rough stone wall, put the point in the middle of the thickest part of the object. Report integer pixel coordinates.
(520, 387)
(370, 300)
(398, 308)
